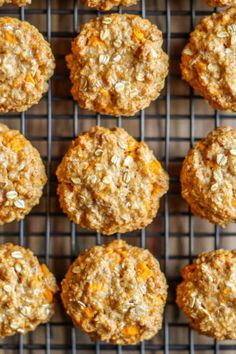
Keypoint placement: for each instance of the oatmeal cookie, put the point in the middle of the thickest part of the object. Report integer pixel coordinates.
(216, 3)
(208, 294)
(117, 64)
(105, 5)
(26, 63)
(22, 175)
(116, 293)
(208, 177)
(109, 182)
(208, 60)
(15, 2)
(26, 291)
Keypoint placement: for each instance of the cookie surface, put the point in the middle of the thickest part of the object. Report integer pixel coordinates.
(208, 60)
(26, 63)
(117, 64)
(26, 290)
(215, 3)
(22, 175)
(105, 5)
(15, 2)
(109, 182)
(208, 177)
(116, 293)
(207, 294)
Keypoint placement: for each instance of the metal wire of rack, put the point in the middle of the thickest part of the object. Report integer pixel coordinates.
(172, 125)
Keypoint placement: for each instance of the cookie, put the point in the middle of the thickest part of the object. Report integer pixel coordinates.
(22, 175)
(105, 5)
(207, 294)
(208, 177)
(215, 3)
(208, 60)
(15, 2)
(117, 66)
(26, 63)
(116, 293)
(109, 182)
(27, 291)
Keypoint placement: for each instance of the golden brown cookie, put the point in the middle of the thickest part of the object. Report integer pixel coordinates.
(208, 177)
(208, 60)
(26, 63)
(26, 291)
(105, 5)
(117, 64)
(116, 293)
(15, 2)
(109, 182)
(208, 294)
(22, 175)
(215, 3)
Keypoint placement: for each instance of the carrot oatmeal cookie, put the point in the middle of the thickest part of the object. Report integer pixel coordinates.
(15, 2)
(215, 3)
(117, 64)
(22, 175)
(105, 5)
(208, 177)
(26, 63)
(109, 182)
(208, 60)
(208, 294)
(116, 293)
(26, 291)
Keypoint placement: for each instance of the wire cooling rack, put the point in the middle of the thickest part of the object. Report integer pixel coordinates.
(170, 126)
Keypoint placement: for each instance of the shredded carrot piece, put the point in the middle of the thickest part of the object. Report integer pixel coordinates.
(129, 331)
(138, 34)
(48, 295)
(95, 287)
(95, 41)
(89, 312)
(143, 271)
(10, 37)
(17, 143)
(29, 78)
(45, 269)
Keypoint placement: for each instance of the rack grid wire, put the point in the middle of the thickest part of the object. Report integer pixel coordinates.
(170, 126)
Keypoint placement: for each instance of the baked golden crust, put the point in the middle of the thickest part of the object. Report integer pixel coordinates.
(208, 177)
(216, 3)
(208, 60)
(22, 175)
(116, 293)
(117, 64)
(15, 2)
(26, 291)
(105, 5)
(26, 63)
(109, 182)
(208, 294)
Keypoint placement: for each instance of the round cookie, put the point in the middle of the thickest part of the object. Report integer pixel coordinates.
(116, 293)
(117, 64)
(15, 2)
(26, 63)
(22, 175)
(26, 291)
(207, 294)
(208, 177)
(208, 60)
(216, 3)
(105, 5)
(109, 182)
